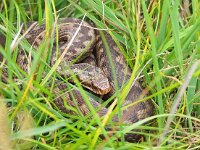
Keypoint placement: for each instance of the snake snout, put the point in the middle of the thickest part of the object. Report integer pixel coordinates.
(101, 85)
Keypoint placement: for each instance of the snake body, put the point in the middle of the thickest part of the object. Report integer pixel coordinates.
(88, 59)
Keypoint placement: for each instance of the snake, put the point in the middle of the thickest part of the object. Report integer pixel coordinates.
(87, 58)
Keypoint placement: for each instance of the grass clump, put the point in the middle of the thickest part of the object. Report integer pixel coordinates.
(161, 45)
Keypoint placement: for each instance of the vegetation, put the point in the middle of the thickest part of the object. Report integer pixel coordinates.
(160, 41)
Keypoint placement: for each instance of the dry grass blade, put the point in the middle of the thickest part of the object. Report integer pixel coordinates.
(178, 100)
(5, 130)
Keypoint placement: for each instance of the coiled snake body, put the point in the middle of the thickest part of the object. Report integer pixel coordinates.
(88, 59)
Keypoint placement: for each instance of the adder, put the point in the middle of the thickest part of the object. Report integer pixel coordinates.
(88, 59)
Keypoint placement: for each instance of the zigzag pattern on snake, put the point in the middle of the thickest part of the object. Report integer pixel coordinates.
(88, 59)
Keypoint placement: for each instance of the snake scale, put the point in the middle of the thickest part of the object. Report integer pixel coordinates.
(88, 59)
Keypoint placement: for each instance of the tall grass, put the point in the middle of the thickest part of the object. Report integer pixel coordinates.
(160, 41)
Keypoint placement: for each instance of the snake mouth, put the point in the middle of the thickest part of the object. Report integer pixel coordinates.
(101, 86)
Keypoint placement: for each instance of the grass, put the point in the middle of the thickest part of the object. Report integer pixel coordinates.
(160, 41)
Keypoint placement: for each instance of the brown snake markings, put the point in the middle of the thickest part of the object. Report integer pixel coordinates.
(92, 68)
